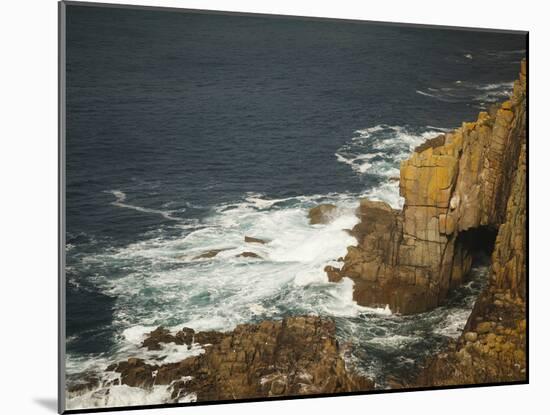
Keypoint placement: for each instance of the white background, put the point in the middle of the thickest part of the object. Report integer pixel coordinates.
(28, 217)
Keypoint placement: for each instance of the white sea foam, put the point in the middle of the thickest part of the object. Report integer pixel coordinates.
(453, 323)
(391, 340)
(378, 150)
(164, 285)
(494, 92)
(424, 93)
(493, 87)
(463, 91)
(120, 202)
(223, 291)
(258, 201)
(120, 395)
(136, 334)
(387, 192)
(340, 306)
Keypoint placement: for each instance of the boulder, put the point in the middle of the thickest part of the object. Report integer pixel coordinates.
(252, 240)
(161, 335)
(156, 337)
(333, 274)
(185, 336)
(84, 383)
(321, 214)
(210, 254)
(135, 372)
(431, 143)
(483, 327)
(470, 336)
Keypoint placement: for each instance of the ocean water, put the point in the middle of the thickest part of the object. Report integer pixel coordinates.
(186, 132)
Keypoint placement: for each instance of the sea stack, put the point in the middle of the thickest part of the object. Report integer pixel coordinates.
(465, 192)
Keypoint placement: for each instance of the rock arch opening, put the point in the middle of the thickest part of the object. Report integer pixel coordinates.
(478, 242)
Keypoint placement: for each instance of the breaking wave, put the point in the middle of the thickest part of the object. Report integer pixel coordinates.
(121, 202)
(467, 92)
(378, 151)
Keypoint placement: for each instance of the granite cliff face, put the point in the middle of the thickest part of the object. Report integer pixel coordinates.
(460, 190)
(293, 356)
(493, 345)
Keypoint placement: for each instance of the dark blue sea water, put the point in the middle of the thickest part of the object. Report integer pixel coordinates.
(187, 131)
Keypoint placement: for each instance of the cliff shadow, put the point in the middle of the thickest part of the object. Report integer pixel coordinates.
(479, 242)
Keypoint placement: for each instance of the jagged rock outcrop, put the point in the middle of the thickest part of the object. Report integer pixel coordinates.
(456, 189)
(323, 213)
(491, 349)
(293, 356)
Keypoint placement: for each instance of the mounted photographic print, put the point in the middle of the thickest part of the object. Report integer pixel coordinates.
(260, 207)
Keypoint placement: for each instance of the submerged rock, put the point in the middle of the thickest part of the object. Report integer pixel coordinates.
(293, 356)
(135, 372)
(210, 254)
(248, 254)
(84, 383)
(162, 335)
(252, 240)
(157, 336)
(458, 188)
(321, 214)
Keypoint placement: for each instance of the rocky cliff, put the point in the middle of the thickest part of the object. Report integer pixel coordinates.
(460, 190)
(293, 356)
(493, 345)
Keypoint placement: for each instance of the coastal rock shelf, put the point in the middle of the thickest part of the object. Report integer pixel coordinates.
(293, 356)
(460, 190)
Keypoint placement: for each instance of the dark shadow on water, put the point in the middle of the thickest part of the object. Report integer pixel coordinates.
(48, 403)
